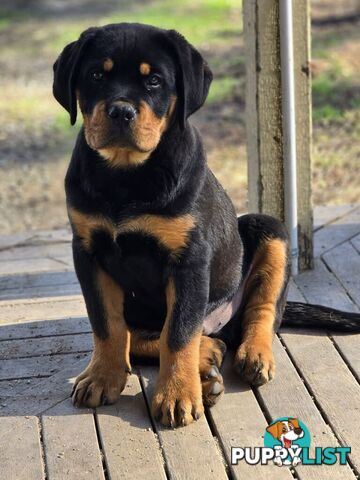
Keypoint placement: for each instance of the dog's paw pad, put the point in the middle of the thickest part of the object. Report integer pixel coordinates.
(212, 386)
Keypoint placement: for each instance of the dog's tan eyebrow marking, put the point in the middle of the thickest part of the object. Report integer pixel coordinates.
(145, 68)
(108, 64)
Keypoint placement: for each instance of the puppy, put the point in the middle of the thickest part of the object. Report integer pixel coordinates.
(166, 268)
(286, 432)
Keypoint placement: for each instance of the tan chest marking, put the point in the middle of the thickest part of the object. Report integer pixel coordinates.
(171, 232)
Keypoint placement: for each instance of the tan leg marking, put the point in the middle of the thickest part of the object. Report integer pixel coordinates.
(254, 358)
(178, 396)
(212, 352)
(105, 377)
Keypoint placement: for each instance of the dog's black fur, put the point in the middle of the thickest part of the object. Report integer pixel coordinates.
(171, 180)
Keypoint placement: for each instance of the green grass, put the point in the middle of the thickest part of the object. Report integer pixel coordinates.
(203, 22)
(222, 89)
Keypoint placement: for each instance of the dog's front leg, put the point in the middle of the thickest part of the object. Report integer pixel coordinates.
(178, 395)
(105, 377)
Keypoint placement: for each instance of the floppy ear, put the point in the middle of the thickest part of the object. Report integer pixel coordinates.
(194, 77)
(294, 422)
(65, 73)
(274, 430)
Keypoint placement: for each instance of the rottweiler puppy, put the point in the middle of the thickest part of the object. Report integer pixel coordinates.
(166, 268)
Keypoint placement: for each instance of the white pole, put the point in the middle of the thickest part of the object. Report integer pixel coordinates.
(289, 127)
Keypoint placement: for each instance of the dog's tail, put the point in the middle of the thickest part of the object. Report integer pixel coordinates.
(304, 315)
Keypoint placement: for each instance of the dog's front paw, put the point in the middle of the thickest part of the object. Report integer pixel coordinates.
(254, 362)
(177, 403)
(97, 386)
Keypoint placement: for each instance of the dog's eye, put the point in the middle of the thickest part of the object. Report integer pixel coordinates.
(97, 75)
(153, 80)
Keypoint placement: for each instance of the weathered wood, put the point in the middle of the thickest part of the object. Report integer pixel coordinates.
(355, 241)
(321, 287)
(40, 292)
(45, 393)
(30, 310)
(184, 447)
(20, 451)
(45, 328)
(70, 443)
(344, 262)
(37, 237)
(36, 366)
(324, 214)
(42, 264)
(27, 280)
(238, 422)
(337, 232)
(348, 345)
(294, 293)
(35, 251)
(287, 395)
(130, 447)
(264, 114)
(332, 384)
(57, 345)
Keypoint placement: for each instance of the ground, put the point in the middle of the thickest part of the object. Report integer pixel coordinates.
(36, 138)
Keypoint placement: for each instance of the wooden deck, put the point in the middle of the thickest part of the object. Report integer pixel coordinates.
(45, 341)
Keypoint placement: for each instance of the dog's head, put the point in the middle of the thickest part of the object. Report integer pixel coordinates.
(132, 82)
(286, 431)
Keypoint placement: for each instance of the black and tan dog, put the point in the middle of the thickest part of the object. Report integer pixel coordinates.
(161, 257)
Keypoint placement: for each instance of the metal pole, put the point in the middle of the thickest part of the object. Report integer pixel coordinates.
(289, 127)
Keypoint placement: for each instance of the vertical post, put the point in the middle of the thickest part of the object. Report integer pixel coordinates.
(265, 141)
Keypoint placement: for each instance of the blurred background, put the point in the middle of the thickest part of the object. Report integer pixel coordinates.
(36, 138)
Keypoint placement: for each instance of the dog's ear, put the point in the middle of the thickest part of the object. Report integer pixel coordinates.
(194, 77)
(65, 73)
(294, 422)
(274, 430)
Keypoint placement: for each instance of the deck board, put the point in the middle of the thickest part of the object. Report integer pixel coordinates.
(45, 341)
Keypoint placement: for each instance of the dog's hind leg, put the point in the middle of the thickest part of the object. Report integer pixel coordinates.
(212, 351)
(265, 279)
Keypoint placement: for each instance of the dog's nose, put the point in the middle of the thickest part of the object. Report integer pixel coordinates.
(125, 113)
(297, 431)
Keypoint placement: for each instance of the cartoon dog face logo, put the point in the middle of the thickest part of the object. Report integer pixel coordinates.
(286, 431)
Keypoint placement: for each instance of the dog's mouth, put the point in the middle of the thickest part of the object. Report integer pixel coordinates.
(287, 443)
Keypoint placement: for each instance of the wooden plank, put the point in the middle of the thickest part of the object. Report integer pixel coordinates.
(34, 347)
(43, 264)
(190, 453)
(337, 232)
(12, 388)
(37, 237)
(348, 345)
(28, 280)
(332, 384)
(239, 422)
(70, 443)
(45, 328)
(130, 447)
(36, 366)
(35, 251)
(43, 309)
(323, 214)
(344, 262)
(294, 293)
(40, 292)
(45, 393)
(356, 242)
(287, 395)
(20, 450)
(320, 286)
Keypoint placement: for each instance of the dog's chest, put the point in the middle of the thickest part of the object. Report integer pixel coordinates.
(135, 251)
